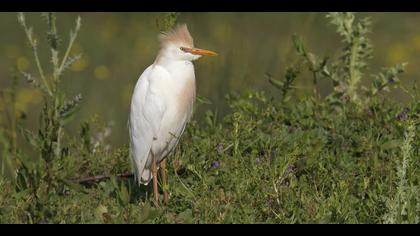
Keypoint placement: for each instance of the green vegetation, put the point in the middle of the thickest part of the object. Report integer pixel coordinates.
(348, 157)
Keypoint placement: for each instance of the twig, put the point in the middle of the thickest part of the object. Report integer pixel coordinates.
(100, 178)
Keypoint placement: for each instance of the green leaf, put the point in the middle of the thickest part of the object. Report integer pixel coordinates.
(392, 144)
(70, 107)
(276, 83)
(186, 217)
(124, 195)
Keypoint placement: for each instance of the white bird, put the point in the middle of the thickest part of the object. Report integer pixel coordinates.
(162, 105)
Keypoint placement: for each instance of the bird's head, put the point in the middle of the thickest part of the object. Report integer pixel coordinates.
(178, 44)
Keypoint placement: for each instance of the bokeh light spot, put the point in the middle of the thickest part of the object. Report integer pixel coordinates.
(22, 63)
(416, 42)
(80, 64)
(27, 97)
(101, 72)
(397, 53)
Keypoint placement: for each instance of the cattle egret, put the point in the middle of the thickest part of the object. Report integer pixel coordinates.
(162, 105)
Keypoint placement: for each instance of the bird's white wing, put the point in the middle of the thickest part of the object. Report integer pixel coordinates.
(147, 110)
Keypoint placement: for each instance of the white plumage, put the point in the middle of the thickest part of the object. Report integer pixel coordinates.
(157, 119)
(162, 101)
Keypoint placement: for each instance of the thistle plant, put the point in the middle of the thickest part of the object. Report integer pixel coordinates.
(167, 21)
(385, 79)
(357, 48)
(347, 71)
(401, 208)
(56, 108)
(288, 83)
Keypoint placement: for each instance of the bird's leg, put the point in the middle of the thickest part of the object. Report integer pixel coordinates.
(155, 183)
(164, 180)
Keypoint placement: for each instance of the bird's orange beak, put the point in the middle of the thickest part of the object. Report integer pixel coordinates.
(202, 52)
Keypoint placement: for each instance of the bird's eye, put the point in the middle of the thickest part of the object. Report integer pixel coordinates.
(182, 49)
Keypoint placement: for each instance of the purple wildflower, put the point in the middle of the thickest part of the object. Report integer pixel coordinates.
(291, 168)
(403, 115)
(341, 88)
(215, 165)
(258, 160)
(391, 81)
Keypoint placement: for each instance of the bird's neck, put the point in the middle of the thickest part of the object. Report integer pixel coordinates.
(170, 63)
(163, 58)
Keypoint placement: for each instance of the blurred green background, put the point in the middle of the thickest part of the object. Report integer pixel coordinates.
(117, 47)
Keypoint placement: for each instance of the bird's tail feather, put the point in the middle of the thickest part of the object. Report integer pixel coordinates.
(146, 176)
(142, 175)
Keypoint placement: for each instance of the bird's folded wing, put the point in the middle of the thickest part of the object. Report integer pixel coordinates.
(147, 110)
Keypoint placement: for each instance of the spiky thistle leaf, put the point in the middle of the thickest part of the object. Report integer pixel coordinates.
(70, 106)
